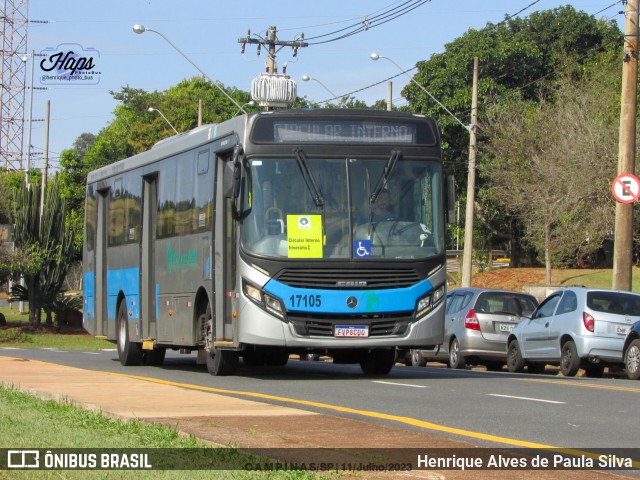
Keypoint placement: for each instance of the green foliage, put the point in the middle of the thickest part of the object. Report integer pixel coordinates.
(44, 244)
(550, 164)
(14, 335)
(522, 62)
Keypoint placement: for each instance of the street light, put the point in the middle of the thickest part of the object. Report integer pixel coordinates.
(250, 103)
(471, 173)
(306, 78)
(375, 57)
(139, 29)
(151, 109)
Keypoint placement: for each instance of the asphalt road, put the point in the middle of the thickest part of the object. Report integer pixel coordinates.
(487, 408)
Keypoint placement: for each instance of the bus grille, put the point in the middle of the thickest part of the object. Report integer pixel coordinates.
(323, 325)
(340, 279)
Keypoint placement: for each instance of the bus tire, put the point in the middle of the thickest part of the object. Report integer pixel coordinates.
(129, 352)
(223, 362)
(378, 362)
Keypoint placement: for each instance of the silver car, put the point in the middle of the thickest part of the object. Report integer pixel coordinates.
(477, 323)
(574, 328)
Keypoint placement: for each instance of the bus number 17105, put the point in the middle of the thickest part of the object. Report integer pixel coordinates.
(305, 301)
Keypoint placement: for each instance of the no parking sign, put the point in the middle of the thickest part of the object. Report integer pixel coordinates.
(626, 188)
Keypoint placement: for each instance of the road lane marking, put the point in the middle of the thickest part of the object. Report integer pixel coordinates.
(524, 398)
(92, 353)
(364, 413)
(400, 384)
(576, 383)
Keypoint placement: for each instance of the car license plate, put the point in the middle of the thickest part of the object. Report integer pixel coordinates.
(622, 330)
(505, 327)
(351, 331)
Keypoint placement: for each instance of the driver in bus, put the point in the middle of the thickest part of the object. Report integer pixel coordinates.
(382, 208)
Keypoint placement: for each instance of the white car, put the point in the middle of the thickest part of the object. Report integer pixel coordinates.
(574, 328)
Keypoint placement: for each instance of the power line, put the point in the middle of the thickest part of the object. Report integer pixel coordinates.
(368, 23)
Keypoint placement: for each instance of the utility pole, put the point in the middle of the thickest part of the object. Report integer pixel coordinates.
(623, 240)
(390, 95)
(45, 159)
(271, 42)
(467, 261)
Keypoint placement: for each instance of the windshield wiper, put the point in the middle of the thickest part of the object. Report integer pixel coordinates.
(316, 192)
(386, 173)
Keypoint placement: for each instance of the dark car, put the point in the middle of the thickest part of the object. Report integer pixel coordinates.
(631, 352)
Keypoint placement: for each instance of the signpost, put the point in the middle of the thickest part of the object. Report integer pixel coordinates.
(626, 188)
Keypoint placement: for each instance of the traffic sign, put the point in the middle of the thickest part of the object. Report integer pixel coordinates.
(626, 188)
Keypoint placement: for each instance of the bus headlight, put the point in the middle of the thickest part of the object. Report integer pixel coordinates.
(429, 301)
(263, 300)
(273, 305)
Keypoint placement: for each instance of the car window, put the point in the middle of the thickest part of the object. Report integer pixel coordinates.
(505, 303)
(568, 303)
(466, 299)
(547, 307)
(614, 302)
(455, 303)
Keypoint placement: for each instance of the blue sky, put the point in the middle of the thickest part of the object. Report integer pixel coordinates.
(207, 31)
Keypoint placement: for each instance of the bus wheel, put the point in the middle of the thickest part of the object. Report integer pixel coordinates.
(223, 362)
(378, 362)
(129, 352)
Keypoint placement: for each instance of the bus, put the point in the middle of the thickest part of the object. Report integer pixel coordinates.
(255, 239)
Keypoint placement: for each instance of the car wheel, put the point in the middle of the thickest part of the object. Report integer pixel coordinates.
(632, 360)
(515, 362)
(594, 371)
(417, 360)
(456, 360)
(569, 360)
(536, 368)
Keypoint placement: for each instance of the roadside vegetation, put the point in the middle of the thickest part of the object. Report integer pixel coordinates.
(29, 422)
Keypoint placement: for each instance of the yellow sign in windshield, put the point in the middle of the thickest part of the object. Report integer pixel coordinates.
(304, 236)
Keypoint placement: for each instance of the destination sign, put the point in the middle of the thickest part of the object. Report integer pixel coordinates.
(343, 131)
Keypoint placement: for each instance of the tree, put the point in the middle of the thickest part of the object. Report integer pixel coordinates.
(551, 163)
(45, 247)
(520, 60)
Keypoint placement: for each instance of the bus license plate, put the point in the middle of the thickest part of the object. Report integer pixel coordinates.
(351, 331)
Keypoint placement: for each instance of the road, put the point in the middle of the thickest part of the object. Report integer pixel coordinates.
(486, 408)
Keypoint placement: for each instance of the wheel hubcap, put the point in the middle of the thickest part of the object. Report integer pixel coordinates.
(454, 352)
(633, 359)
(123, 333)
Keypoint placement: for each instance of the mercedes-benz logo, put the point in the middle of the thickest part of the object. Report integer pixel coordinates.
(352, 302)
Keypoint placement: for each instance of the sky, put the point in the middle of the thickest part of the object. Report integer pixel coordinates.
(207, 32)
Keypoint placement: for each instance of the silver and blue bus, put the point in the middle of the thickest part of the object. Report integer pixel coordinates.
(257, 238)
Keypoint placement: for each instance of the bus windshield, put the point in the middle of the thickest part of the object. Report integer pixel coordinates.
(353, 208)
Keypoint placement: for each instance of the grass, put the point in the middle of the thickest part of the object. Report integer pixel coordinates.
(29, 422)
(19, 334)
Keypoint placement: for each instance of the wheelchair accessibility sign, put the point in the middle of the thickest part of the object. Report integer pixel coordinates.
(361, 248)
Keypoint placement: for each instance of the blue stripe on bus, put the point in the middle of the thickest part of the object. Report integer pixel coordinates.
(335, 301)
(88, 289)
(126, 280)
